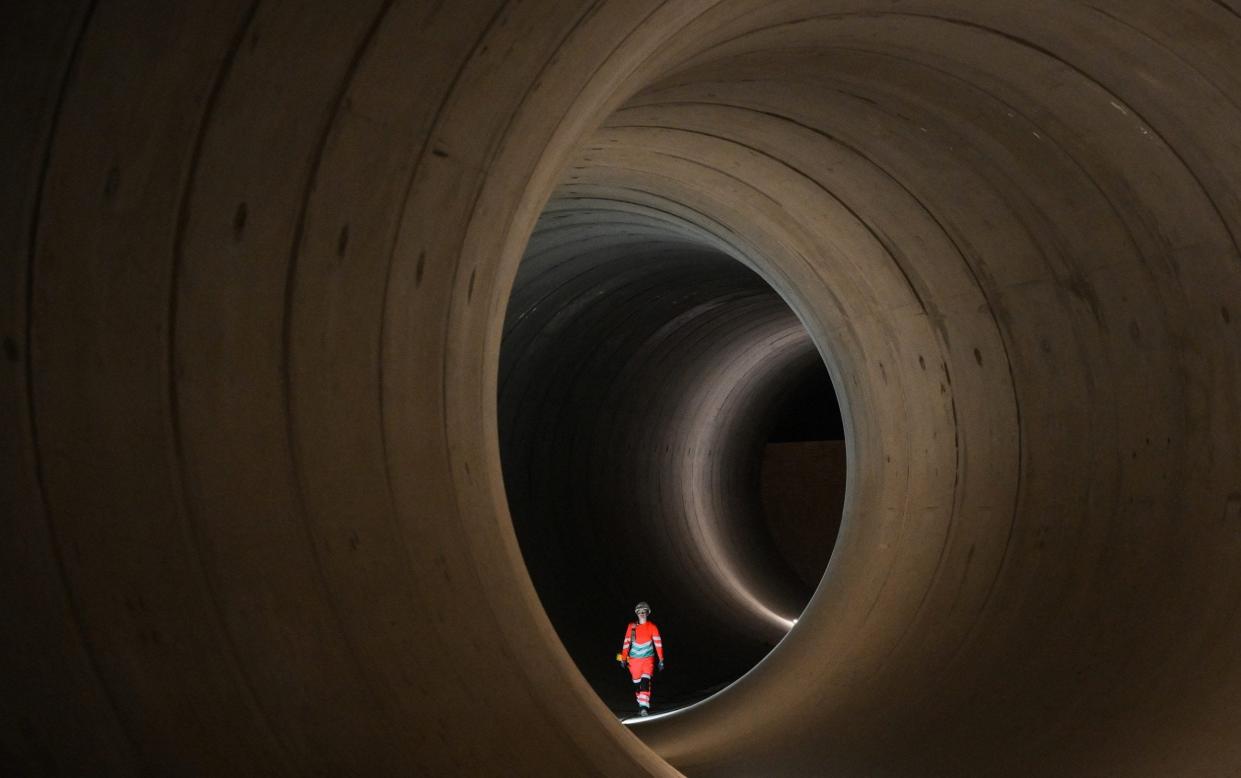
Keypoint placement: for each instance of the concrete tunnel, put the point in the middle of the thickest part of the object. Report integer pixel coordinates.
(274, 366)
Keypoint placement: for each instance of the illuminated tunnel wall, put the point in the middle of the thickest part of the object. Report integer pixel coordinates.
(257, 261)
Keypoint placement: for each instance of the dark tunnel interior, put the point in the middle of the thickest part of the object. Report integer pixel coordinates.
(363, 363)
(663, 421)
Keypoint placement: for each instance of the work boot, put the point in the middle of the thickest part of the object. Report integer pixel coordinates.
(643, 712)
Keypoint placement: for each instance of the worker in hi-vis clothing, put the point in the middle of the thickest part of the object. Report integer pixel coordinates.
(642, 646)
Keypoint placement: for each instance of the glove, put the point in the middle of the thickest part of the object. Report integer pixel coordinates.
(661, 665)
(622, 661)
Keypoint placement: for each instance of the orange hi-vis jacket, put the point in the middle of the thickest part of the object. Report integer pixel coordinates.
(642, 641)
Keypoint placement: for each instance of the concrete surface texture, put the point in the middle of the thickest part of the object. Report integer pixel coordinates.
(257, 259)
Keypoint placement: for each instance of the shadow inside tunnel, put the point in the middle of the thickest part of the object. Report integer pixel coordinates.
(668, 433)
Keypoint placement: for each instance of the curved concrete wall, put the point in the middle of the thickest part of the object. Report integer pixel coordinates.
(260, 255)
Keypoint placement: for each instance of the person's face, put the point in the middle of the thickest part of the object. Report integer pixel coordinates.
(642, 617)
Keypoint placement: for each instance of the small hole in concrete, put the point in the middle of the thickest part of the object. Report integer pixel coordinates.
(240, 216)
(112, 183)
(342, 241)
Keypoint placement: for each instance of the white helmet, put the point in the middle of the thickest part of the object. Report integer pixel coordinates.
(642, 606)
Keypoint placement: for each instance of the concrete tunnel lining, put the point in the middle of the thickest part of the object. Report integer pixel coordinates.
(262, 255)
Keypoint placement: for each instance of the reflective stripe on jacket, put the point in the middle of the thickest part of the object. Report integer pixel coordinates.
(642, 640)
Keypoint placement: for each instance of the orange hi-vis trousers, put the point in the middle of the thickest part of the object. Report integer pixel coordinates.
(642, 670)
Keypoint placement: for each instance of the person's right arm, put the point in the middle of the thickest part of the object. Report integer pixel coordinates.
(623, 656)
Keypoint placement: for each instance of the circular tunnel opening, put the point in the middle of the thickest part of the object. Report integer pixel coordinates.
(668, 433)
